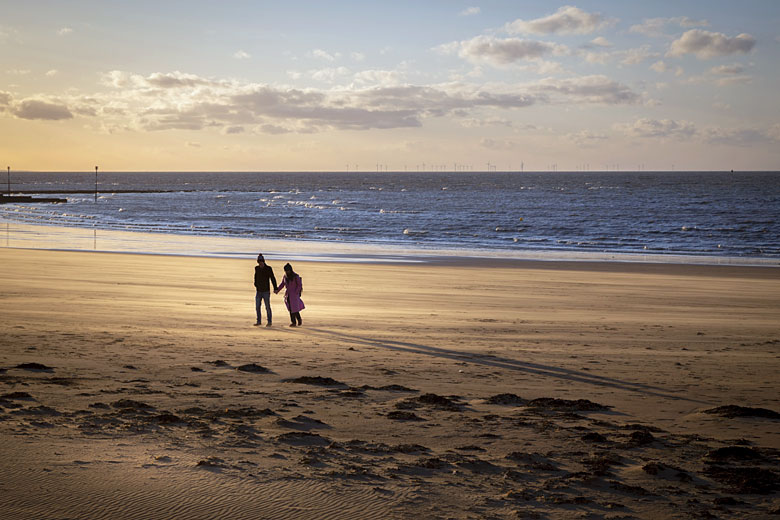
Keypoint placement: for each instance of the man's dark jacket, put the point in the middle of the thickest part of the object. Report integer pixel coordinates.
(263, 275)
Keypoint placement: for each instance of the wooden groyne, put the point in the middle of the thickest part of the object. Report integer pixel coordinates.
(5, 199)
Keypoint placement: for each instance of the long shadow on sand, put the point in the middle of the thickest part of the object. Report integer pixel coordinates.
(505, 363)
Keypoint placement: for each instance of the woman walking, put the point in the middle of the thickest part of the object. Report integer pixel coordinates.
(293, 288)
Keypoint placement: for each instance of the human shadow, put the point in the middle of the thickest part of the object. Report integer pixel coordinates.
(505, 363)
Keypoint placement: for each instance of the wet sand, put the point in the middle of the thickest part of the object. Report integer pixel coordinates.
(135, 386)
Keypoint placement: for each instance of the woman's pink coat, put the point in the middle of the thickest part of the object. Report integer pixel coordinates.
(292, 293)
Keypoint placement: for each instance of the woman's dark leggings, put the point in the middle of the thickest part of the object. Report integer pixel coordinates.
(295, 316)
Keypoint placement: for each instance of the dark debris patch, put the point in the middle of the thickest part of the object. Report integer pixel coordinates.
(351, 393)
(601, 463)
(641, 438)
(431, 463)
(38, 411)
(506, 400)
(470, 447)
(581, 405)
(409, 448)
(16, 395)
(533, 460)
(630, 490)
(659, 469)
(167, 418)
(731, 411)
(642, 428)
(301, 422)
(593, 437)
(303, 438)
(316, 381)
(402, 415)
(253, 368)
(213, 463)
(435, 401)
(130, 404)
(728, 501)
(389, 388)
(734, 453)
(34, 366)
(239, 413)
(745, 480)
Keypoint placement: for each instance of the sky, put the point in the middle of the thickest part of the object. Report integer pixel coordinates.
(397, 86)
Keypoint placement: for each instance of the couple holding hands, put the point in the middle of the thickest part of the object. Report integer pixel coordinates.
(291, 283)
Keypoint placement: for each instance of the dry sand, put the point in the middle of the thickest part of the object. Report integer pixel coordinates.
(135, 386)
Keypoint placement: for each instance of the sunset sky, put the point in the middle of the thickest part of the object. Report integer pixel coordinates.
(336, 85)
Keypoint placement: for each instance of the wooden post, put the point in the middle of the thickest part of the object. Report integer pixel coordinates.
(9, 180)
(96, 168)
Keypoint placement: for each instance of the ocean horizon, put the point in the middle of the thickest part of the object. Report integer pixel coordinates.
(656, 216)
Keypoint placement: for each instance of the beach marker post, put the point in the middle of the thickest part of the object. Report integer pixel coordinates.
(96, 168)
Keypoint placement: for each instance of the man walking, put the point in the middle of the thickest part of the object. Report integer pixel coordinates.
(264, 277)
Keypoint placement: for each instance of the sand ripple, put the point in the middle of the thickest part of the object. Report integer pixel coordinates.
(102, 491)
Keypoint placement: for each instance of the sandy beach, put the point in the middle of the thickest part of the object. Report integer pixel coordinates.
(135, 386)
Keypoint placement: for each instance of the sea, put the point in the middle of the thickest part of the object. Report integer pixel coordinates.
(657, 215)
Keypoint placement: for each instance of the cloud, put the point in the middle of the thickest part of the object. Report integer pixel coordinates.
(706, 45)
(485, 122)
(546, 68)
(723, 75)
(500, 145)
(600, 41)
(732, 75)
(51, 73)
(320, 54)
(375, 100)
(316, 110)
(625, 57)
(566, 20)
(742, 136)
(654, 128)
(233, 130)
(242, 55)
(586, 137)
(38, 109)
(8, 34)
(590, 89)
(734, 80)
(659, 66)
(274, 129)
(728, 69)
(470, 11)
(379, 77)
(65, 31)
(498, 51)
(655, 26)
(175, 80)
(17, 72)
(5, 98)
(329, 74)
(357, 56)
(636, 56)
